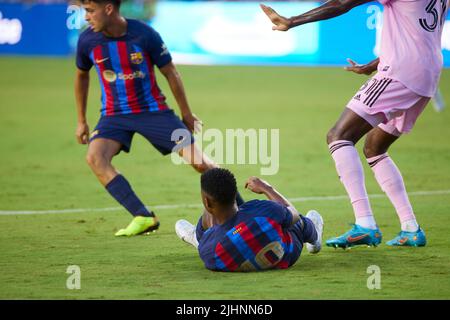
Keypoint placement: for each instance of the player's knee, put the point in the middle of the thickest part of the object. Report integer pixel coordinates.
(371, 150)
(337, 133)
(90, 160)
(367, 150)
(95, 161)
(332, 135)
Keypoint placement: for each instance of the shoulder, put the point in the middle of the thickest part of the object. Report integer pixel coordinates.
(88, 38)
(86, 35)
(148, 38)
(261, 208)
(141, 27)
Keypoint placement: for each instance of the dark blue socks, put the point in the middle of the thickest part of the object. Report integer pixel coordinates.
(309, 232)
(121, 190)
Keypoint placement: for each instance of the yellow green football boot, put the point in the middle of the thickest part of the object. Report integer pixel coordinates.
(139, 225)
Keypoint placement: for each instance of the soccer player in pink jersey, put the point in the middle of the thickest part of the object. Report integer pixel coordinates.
(384, 108)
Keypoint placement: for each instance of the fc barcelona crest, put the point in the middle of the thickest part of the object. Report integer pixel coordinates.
(136, 58)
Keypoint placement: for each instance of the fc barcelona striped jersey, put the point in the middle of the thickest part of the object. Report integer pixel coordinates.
(256, 238)
(125, 67)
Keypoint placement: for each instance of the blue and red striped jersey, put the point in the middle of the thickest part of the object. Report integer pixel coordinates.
(125, 67)
(256, 238)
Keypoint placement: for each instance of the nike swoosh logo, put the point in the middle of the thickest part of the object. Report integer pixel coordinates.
(354, 239)
(101, 60)
(402, 240)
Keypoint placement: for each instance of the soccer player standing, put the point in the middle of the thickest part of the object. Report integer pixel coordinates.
(384, 108)
(258, 235)
(124, 53)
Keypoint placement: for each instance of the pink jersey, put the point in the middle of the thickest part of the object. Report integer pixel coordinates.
(411, 43)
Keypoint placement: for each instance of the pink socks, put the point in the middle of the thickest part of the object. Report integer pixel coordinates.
(391, 182)
(350, 171)
(349, 168)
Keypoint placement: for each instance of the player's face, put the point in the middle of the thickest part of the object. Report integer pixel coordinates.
(97, 15)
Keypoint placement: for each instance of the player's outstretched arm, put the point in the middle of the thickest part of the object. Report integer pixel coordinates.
(260, 186)
(81, 95)
(328, 10)
(366, 69)
(176, 86)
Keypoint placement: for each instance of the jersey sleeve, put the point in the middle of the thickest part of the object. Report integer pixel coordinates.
(284, 215)
(157, 49)
(280, 213)
(82, 60)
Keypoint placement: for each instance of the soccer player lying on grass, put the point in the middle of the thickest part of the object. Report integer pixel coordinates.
(257, 235)
(384, 108)
(124, 53)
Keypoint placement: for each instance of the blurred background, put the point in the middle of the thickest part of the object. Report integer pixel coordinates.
(206, 32)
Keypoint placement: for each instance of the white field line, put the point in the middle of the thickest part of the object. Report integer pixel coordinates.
(178, 206)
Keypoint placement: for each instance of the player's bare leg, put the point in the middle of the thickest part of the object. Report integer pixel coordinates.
(378, 142)
(348, 130)
(391, 182)
(196, 158)
(99, 157)
(350, 127)
(201, 162)
(100, 154)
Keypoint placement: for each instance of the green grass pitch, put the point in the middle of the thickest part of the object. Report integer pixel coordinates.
(43, 168)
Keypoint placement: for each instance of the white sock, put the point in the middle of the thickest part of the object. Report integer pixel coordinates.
(410, 225)
(367, 222)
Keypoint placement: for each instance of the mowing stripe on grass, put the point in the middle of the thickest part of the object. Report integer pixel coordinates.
(177, 206)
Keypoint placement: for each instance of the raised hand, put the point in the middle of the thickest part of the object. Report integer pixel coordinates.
(257, 185)
(280, 23)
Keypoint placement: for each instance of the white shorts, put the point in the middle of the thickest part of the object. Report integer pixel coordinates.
(388, 104)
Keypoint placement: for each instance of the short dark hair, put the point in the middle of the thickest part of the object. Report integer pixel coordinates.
(116, 3)
(220, 184)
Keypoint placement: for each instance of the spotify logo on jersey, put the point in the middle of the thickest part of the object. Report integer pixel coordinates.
(111, 76)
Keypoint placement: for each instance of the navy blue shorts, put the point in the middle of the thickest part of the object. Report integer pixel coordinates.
(304, 232)
(159, 128)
